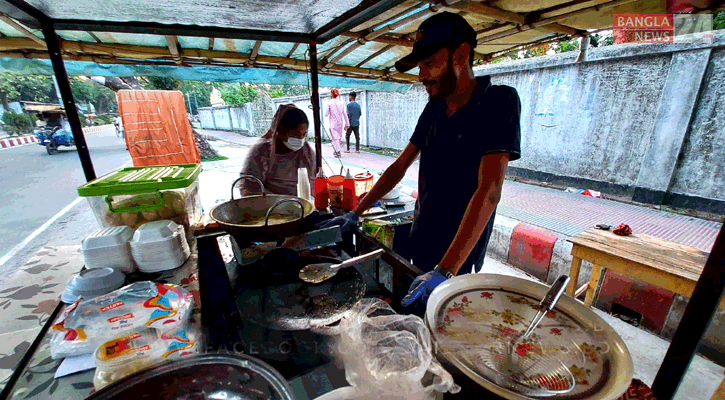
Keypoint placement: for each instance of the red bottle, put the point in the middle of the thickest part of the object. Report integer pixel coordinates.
(322, 196)
(349, 200)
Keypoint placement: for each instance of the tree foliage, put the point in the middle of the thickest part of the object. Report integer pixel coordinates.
(238, 94)
(198, 93)
(276, 91)
(88, 91)
(27, 88)
(162, 83)
(718, 21)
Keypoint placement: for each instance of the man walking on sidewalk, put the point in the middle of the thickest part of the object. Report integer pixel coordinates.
(353, 113)
(466, 136)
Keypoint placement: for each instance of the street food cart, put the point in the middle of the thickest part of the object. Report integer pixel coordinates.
(345, 43)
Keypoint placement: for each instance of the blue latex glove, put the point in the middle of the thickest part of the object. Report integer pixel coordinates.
(346, 222)
(422, 287)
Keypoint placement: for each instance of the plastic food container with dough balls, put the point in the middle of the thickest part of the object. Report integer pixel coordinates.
(137, 195)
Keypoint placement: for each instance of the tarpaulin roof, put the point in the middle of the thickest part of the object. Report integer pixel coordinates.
(200, 73)
(356, 39)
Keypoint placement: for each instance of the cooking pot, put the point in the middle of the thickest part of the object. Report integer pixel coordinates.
(222, 376)
(261, 217)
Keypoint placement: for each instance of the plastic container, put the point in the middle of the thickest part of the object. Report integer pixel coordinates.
(138, 350)
(363, 183)
(349, 199)
(91, 283)
(109, 248)
(159, 246)
(303, 184)
(133, 196)
(334, 186)
(322, 194)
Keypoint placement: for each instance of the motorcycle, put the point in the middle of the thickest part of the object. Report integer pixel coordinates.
(53, 137)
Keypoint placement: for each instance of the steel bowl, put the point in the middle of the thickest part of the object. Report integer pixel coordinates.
(207, 376)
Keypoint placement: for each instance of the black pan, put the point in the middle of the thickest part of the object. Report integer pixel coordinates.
(277, 298)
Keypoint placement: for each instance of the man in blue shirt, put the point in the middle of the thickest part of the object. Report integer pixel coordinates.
(466, 136)
(353, 113)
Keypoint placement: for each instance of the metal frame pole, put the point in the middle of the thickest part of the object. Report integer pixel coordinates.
(316, 106)
(51, 40)
(699, 312)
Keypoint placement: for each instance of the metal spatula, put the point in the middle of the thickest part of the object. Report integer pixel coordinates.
(316, 273)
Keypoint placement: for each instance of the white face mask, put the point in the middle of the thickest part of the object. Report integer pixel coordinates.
(294, 144)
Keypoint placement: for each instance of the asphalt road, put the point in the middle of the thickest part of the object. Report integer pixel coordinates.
(36, 186)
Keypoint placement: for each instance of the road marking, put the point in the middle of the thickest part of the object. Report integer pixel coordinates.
(15, 250)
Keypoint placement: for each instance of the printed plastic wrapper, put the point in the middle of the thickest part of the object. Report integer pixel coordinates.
(387, 355)
(137, 350)
(85, 325)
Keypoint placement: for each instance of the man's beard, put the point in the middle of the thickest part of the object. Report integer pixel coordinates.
(446, 84)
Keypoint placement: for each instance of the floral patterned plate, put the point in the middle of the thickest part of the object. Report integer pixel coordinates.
(473, 315)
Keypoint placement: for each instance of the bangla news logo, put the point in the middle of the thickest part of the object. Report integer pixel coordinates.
(661, 28)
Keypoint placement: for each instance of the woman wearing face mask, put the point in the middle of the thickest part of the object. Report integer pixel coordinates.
(275, 158)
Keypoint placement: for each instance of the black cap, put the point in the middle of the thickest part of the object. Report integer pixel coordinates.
(443, 30)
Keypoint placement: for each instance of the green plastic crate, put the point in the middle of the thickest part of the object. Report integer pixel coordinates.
(133, 196)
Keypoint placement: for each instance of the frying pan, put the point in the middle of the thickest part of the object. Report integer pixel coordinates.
(280, 300)
(261, 217)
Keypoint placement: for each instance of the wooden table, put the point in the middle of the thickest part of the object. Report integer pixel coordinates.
(666, 264)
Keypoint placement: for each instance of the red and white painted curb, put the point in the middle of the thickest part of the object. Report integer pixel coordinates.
(30, 139)
(17, 141)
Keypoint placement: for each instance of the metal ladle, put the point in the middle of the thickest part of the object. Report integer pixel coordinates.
(317, 273)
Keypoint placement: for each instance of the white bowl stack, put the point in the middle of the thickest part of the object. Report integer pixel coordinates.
(108, 248)
(159, 246)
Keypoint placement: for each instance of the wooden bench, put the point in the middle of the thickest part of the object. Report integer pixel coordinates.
(656, 261)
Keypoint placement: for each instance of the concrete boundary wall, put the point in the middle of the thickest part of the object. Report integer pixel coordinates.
(637, 120)
(227, 118)
(641, 121)
(304, 103)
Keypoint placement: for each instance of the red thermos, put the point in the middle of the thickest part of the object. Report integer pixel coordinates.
(322, 196)
(349, 200)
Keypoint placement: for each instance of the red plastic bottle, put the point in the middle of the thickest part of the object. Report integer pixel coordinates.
(349, 200)
(322, 196)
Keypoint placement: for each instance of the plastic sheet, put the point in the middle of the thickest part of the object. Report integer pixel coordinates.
(85, 325)
(387, 355)
(138, 350)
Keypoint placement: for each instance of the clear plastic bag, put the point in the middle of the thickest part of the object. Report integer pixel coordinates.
(85, 325)
(387, 355)
(137, 350)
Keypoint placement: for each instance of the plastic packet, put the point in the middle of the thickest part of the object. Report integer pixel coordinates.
(387, 355)
(85, 325)
(138, 350)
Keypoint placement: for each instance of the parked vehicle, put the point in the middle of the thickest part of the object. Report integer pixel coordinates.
(54, 137)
